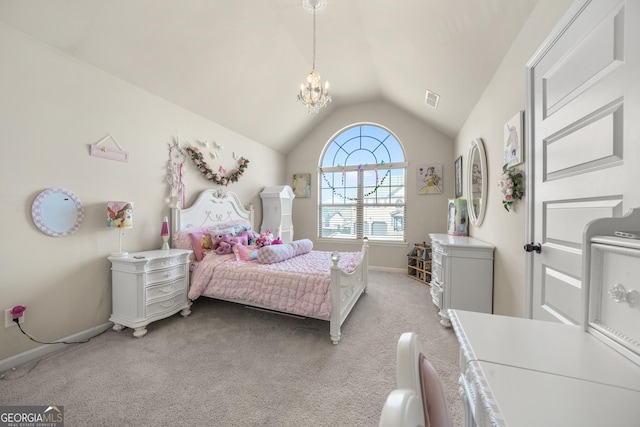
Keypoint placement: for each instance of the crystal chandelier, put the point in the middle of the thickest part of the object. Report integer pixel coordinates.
(312, 93)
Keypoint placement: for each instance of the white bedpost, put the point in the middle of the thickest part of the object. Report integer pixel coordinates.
(175, 220)
(336, 309)
(249, 206)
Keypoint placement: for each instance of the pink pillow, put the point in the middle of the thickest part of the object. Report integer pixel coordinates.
(201, 243)
(182, 239)
(245, 253)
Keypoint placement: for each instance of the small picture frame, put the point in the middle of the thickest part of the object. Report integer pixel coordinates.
(514, 140)
(301, 185)
(429, 179)
(458, 172)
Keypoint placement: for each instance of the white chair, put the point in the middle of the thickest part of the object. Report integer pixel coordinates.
(418, 399)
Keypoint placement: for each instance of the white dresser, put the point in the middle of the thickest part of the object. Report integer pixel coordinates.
(149, 286)
(462, 274)
(277, 211)
(523, 372)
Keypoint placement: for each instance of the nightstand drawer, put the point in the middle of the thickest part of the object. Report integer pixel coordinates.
(166, 275)
(164, 290)
(166, 305)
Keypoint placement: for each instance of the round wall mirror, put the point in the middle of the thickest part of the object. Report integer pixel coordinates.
(57, 212)
(476, 182)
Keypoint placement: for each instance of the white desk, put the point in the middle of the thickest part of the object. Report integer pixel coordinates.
(522, 372)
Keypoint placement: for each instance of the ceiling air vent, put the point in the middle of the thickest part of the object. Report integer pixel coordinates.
(432, 99)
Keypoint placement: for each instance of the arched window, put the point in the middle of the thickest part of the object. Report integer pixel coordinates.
(362, 186)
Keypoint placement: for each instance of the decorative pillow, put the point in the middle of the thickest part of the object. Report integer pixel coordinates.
(201, 243)
(275, 253)
(302, 246)
(182, 239)
(245, 253)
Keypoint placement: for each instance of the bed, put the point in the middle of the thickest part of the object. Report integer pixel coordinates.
(315, 284)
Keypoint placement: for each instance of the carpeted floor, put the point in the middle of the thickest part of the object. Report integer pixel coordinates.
(226, 365)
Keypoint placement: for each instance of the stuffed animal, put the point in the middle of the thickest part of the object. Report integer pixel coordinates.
(277, 241)
(224, 248)
(265, 239)
(241, 239)
(222, 244)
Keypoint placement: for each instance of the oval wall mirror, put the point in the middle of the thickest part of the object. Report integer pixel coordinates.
(57, 212)
(476, 182)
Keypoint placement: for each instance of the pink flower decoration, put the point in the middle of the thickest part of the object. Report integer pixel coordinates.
(217, 177)
(241, 161)
(224, 181)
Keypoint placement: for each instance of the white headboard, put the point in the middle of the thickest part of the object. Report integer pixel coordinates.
(211, 207)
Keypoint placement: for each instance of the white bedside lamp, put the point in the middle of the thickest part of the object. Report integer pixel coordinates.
(120, 215)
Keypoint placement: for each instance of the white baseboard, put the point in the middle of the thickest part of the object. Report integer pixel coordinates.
(389, 269)
(43, 350)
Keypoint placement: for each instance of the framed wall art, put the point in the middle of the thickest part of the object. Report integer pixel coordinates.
(301, 185)
(458, 172)
(513, 140)
(429, 179)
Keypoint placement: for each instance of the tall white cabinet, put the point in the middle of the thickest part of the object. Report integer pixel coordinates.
(277, 210)
(462, 274)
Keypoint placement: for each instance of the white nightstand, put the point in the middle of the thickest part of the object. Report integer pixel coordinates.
(149, 286)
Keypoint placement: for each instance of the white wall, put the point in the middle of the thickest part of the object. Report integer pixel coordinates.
(422, 144)
(52, 107)
(502, 98)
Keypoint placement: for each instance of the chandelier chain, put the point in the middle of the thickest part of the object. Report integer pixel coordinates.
(314, 40)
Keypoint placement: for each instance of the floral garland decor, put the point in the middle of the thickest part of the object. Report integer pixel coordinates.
(343, 197)
(511, 186)
(221, 178)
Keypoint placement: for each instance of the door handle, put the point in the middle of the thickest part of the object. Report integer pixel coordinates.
(530, 247)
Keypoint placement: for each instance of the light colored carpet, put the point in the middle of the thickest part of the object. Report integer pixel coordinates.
(226, 365)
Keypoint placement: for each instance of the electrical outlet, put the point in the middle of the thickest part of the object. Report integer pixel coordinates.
(8, 318)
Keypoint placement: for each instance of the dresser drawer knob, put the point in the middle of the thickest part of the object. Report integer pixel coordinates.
(619, 294)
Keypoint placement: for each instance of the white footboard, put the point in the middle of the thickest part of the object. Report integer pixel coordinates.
(346, 288)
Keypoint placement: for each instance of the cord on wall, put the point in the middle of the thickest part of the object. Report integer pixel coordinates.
(55, 342)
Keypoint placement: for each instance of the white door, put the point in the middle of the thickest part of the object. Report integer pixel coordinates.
(582, 99)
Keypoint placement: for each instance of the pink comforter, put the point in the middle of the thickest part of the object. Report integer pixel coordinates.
(299, 285)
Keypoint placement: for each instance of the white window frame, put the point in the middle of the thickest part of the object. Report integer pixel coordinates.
(360, 204)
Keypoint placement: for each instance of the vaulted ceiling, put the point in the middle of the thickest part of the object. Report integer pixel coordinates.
(240, 62)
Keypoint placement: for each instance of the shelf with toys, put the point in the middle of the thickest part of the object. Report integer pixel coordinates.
(419, 263)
